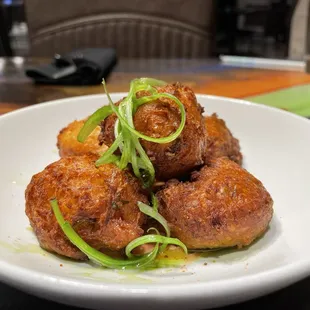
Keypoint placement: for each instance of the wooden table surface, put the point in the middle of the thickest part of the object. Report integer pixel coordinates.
(204, 76)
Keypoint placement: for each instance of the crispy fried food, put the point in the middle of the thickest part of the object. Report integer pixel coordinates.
(221, 142)
(106, 135)
(68, 144)
(161, 118)
(222, 206)
(100, 204)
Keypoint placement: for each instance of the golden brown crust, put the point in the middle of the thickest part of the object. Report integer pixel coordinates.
(68, 144)
(221, 142)
(106, 135)
(100, 204)
(161, 118)
(222, 206)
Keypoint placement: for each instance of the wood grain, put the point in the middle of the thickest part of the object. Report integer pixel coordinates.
(204, 76)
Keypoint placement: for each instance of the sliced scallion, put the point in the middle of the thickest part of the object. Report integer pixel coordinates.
(126, 136)
(153, 239)
(155, 215)
(93, 121)
(95, 255)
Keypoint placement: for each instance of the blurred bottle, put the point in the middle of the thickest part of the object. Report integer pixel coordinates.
(16, 22)
(19, 38)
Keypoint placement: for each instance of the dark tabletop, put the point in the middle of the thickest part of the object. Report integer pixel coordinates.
(204, 76)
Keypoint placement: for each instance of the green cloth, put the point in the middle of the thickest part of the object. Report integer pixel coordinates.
(295, 99)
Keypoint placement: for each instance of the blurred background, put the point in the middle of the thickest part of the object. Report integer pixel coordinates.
(156, 29)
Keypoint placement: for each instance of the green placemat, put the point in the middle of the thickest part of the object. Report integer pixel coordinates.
(295, 99)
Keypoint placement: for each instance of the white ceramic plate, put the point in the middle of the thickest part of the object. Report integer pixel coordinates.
(276, 148)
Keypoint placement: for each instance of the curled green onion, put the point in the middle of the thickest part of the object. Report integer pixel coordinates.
(144, 100)
(153, 239)
(153, 212)
(130, 145)
(155, 215)
(126, 136)
(127, 140)
(95, 255)
(153, 228)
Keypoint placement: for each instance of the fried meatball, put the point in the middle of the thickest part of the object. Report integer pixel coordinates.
(68, 144)
(100, 204)
(106, 135)
(222, 206)
(161, 118)
(220, 141)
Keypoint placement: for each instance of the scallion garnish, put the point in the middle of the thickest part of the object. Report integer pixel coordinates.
(93, 121)
(127, 140)
(126, 136)
(153, 239)
(155, 215)
(107, 261)
(95, 255)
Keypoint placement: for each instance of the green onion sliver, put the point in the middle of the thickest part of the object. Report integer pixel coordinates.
(153, 239)
(95, 255)
(130, 142)
(150, 81)
(150, 98)
(152, 212)
(144, 159)
(93, 121)
(105, 157)
(155, 215)
(155, 203)
(134, 163)
(113, 159)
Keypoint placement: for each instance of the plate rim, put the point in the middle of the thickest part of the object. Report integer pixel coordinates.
(288, 273)
(205, 96)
